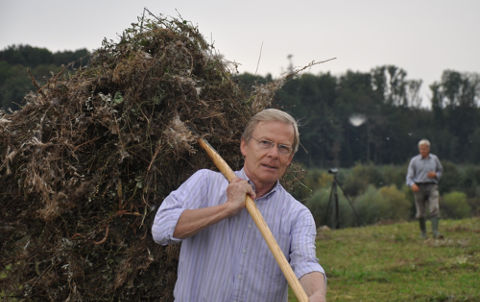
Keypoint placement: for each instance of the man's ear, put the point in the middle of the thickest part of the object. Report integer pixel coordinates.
(243, 147)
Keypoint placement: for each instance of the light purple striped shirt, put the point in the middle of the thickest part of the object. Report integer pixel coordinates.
(230, 261)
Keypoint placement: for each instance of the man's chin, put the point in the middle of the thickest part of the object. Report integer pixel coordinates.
(269, 176)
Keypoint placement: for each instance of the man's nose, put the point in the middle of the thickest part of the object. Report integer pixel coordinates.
(273, 151)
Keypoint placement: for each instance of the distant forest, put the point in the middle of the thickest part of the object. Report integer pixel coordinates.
(358, 117)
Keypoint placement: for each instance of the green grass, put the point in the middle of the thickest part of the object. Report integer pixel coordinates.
(392, 263)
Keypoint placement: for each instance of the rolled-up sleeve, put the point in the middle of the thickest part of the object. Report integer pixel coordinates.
(166, 220)
(439, 170)
(189, 195)
(410, 173)
(303, 257)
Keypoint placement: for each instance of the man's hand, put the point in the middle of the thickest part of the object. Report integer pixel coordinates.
(236, 193)
(192, 221)
(432, 174)
(415, 188)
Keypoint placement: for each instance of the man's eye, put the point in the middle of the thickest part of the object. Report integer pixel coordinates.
(265, 143)
(284, 148)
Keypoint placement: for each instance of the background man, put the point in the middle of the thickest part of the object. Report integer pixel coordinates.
(223, 256)
(424, 172)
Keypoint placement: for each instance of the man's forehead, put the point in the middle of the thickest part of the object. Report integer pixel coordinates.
(262, 124)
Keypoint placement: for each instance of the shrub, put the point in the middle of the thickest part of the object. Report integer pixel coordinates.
(451, 178)
(371, 206)
(386, 203)
(455, 205)
(361, 177)
(475, 205)
(471, 180)
(400, 206)
(318, 179)
(324, 213)
(393, 175)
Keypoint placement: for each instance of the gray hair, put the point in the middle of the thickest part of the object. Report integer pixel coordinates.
(268, 115)
(424, 142)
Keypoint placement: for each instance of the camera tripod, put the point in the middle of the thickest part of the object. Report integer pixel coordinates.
(334, 198)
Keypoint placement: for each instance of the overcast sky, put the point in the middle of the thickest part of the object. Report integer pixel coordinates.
(424, 37)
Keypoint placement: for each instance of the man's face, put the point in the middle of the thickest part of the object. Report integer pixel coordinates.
(266, 165)
(424, 150)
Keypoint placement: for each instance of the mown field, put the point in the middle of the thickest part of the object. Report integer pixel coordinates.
(392, 263)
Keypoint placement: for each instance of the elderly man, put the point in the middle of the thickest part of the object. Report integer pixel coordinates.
(424, 172)
(223, 256)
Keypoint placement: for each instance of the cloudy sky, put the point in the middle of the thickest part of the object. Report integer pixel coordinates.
(424, 37)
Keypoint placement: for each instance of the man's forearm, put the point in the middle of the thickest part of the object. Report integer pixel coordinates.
(194, 220)
(315, 286)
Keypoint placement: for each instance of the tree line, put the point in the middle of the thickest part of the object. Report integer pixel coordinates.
(19, 64)
(376, 117)
(357, 117)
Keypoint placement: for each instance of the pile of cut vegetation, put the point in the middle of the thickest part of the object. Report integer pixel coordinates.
(86, 162)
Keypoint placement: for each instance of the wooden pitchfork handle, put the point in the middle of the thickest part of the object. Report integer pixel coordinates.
(261, 224)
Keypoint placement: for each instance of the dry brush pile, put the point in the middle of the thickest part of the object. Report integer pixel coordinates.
(86, 162)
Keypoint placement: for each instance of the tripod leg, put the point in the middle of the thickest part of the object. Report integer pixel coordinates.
(327, 212)
(337, 210)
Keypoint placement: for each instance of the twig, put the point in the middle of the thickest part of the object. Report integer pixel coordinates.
(104, 238)
(75, 148)
(313, 63)
(154, 157)
(35, 83)
(259, 56)
(146, 9)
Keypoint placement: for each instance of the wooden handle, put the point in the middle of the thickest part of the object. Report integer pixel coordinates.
(261, 224)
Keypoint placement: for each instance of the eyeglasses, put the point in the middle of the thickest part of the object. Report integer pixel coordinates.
(267, 144)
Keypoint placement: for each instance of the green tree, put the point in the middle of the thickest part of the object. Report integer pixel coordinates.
(455, 105)
(391, 84)
(310, 99)
(19, 63)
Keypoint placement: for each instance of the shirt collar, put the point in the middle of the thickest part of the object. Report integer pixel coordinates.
(427, 157)
(242, 175)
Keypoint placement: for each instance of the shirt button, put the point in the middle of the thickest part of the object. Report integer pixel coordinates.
(240, 277)
(244, 251)
(249, 226)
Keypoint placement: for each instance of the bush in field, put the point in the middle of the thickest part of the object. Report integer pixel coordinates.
(400, 206)
(370, 206)
(393, 175)
(407, 191)
(386, 203)
(323, 213)
(471, 181)
(451, 178)
(475, 204)
(318, 204)
(361, 177)
(455, 205)
(315, 179)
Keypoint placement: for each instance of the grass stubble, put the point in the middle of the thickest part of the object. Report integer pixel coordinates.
(390, 262)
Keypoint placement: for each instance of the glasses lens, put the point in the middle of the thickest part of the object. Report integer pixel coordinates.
(266, 144)
(284, 149)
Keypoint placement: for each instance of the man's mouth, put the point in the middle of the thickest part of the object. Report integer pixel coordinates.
(269, 166)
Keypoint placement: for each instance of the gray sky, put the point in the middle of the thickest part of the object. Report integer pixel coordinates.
(424, 37)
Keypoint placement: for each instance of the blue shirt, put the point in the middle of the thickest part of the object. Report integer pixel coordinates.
(230, 261)
(419, 167)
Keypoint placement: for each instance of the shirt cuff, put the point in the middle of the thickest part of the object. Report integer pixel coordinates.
(164, 226)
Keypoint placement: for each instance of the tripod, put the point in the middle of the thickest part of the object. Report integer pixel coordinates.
(334, 197)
